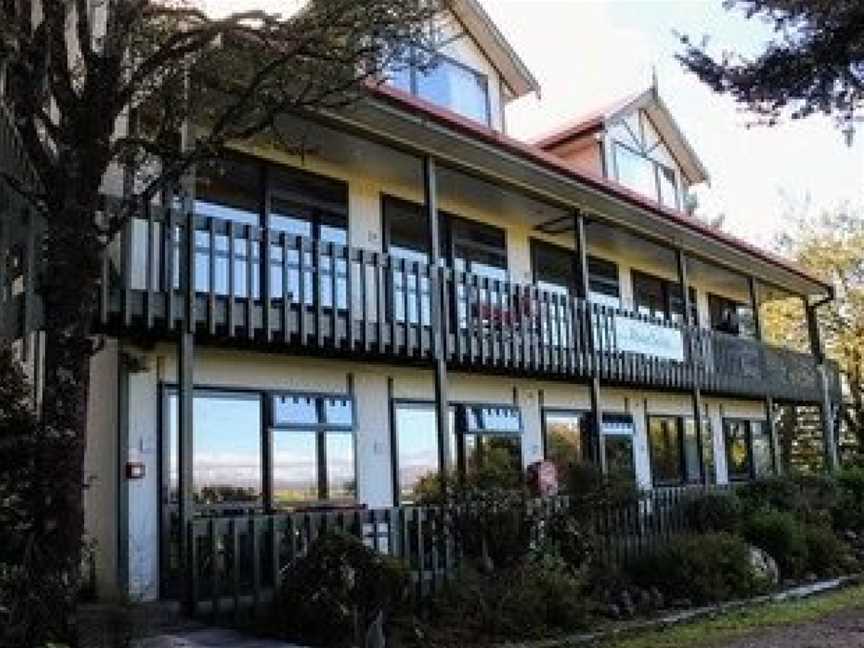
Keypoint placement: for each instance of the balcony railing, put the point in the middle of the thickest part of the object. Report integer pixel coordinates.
(263, 287)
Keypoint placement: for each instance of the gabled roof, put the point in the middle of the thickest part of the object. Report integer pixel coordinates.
(497, 49)
(430, 113)
(649, 101)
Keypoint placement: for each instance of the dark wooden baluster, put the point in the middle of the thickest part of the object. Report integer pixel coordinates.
(232, 289)
(302, 289)
(211, 275)
(286, 293)
(251, 232)
(264, 284)
(379, 299)
(351, 309)
(150, 267)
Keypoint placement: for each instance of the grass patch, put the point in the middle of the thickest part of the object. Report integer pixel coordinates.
(738, 623)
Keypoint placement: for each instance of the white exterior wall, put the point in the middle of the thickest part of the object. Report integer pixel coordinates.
(230, 369)
(101, 472)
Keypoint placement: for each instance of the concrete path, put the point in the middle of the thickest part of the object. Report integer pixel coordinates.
(210, 638)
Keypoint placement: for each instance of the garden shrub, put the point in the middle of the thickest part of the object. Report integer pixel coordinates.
(336, 590)
(782, 535)
(713, 513)
(810, 497)
(534, 600)
(827, 555)
(699, 569)
(848, 511)
(567, 537)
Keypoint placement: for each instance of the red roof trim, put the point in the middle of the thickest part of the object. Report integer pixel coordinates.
(553, 163)
(569, 133)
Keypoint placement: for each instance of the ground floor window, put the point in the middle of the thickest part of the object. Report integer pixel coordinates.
(485, 441)
(749, 451)
(226, 449)
(568, 439)
(617, 431)
(313, 449)
(308, 438)
(675, 450)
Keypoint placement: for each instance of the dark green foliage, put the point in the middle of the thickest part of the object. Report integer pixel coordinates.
(827, 555)
(701, 569)
(38, 580)
(812, 65)
(331, 595)
(714, 512)
(538, 599)
(809, 497)
(848, 512)
(569, 538)
(589, 489)
(781, 534)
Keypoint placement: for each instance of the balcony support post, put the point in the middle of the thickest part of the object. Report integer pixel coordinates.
(826, 407)
(754, 305)
(696, 394)
(582, 290)
(185, 398)
(438, 325)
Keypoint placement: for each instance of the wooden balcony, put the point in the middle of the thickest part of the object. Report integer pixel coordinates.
(275, 291)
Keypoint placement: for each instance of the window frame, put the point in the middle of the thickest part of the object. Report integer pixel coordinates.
(679, 433)
(456, 460)
(667, 297)
(656, 167)
(716, 301)
(266, 418)
(751, 455)
(590, 442)
(410, 65)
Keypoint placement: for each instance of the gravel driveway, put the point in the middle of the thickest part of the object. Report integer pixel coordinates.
(843, 629)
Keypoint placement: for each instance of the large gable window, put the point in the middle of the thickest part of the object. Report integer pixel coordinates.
(445, 82)
(643, 163)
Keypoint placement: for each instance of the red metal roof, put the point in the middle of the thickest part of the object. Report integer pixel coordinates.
(585, 123)
(536, 155)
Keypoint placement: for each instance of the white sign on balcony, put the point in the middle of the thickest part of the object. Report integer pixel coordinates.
(635, 336)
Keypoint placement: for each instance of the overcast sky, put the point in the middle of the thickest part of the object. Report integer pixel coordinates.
(588, 52)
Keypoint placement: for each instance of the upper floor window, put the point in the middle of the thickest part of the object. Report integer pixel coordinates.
(445, 82)
(555, 270)
(732, 317)
(661, 299)
(647, 176)
(642, 161)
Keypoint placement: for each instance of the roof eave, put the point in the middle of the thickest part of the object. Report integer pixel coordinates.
(510, 65)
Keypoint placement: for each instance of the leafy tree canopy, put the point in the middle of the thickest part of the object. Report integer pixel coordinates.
(813, 64)
(831, 244)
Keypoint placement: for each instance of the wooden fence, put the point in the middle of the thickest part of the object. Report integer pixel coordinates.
(235, 565)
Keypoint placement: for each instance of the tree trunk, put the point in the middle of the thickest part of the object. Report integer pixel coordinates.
(70, 262)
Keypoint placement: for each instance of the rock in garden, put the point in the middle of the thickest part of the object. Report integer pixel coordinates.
(764, 565)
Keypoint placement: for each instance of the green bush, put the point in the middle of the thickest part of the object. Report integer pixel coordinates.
(827, 555)
(713, 513)
(567, 537)
(848, 511)
(782, 535)
(701, 569)
(531, 601)
(810, 497)
(336, 590)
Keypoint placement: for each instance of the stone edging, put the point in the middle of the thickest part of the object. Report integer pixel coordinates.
(668, 620)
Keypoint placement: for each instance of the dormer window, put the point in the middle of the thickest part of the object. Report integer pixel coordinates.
(446, 82)
(649, 177)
